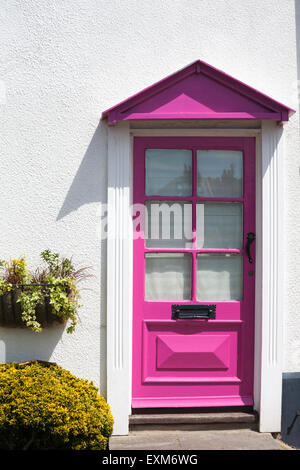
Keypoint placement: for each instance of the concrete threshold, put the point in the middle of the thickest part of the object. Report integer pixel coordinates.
(195, 440)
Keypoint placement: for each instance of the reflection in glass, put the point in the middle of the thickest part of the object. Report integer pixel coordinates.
(220, 173)
(168, 172)
(219, 225)
(219, 277)
(168, 224)
(168, 276)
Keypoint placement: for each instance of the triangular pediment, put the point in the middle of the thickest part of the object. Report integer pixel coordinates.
(198, 91)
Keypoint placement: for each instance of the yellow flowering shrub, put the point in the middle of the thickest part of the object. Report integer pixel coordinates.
(46, 407)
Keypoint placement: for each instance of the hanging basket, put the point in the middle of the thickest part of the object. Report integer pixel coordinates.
(11, 311)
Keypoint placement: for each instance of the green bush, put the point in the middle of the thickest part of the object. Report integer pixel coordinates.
(43, 406)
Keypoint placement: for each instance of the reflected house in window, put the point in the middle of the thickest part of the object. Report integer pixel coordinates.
(179, 186)
(220, 173)
(226, 185)
(168, 172)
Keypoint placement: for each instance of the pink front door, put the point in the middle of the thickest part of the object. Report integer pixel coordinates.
(194, 276)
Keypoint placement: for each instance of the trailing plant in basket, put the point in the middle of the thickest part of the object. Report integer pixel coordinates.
(54, 283)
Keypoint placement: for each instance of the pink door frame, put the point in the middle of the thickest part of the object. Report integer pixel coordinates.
(234, 322)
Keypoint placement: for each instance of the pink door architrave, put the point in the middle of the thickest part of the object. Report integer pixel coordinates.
(194, 276)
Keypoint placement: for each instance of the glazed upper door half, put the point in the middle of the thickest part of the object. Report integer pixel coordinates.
(194, 271)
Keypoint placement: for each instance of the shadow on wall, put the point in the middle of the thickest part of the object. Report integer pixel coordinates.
(86, 186)
(297, 19)
(90, 186)
(27, 345)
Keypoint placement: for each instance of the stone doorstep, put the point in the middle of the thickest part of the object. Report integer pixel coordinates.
(192, 418)
(193, 421)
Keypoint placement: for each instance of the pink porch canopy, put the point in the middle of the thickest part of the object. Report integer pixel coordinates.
(199, 91)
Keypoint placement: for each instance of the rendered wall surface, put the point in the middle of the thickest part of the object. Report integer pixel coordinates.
(61, 65)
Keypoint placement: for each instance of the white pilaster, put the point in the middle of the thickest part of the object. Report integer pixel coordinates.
(119, 277)
(272, 278)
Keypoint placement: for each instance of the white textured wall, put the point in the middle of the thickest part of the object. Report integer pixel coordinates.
(292, 223)
(62, 63)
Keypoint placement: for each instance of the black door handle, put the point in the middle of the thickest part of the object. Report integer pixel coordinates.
(250, 239)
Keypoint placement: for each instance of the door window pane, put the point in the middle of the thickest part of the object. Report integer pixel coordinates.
(168, 276)
(168, 172)
(219, 277)
(220, 173)
(219, 225)
(168, 224)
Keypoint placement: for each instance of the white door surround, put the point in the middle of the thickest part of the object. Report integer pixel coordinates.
(269, 267)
